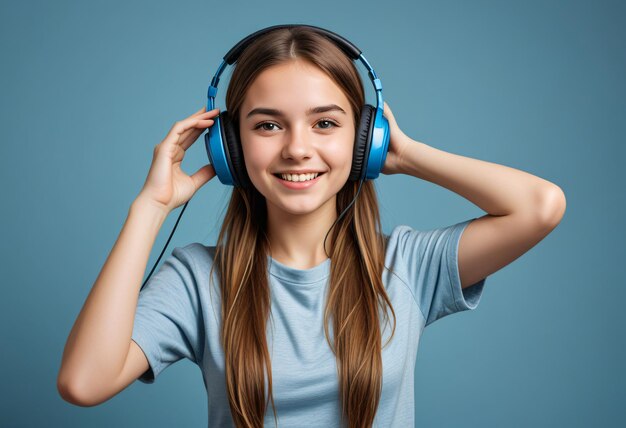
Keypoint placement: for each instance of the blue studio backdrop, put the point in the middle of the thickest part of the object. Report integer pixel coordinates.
(89, 88)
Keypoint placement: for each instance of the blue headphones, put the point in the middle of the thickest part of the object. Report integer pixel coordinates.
(371, 140)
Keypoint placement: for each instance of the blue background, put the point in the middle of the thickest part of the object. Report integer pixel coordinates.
(89, 88)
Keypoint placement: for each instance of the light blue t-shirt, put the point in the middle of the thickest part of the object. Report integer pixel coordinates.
(178, 317)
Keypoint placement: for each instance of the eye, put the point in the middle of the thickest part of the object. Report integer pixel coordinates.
(328, 121)
(262, 124)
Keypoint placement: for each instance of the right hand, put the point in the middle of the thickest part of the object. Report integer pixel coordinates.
(167, 186)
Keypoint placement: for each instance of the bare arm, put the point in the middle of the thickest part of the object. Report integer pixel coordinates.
(100, 359)
(522, 208)
(98, 345)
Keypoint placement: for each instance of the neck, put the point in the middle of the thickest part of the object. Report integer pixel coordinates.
(298, 240)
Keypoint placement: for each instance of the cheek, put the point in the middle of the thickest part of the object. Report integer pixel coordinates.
(256, 159)
(340, 155)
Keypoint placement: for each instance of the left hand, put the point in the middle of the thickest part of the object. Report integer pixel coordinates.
(398, 141)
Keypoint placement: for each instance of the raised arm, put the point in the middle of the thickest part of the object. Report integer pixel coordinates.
(522, 208)
(100, 359)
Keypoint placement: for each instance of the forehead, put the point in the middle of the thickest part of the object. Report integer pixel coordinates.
(294, 86)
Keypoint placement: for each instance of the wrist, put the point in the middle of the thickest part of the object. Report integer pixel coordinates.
(149, 208)
(406, 156)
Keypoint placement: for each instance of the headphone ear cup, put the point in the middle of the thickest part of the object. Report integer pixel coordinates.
(362, 142)
(232, 147)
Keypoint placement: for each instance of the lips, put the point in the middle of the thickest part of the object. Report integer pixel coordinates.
(298, 185)
(279, 174)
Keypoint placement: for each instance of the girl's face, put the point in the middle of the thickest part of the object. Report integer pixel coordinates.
(296, 119)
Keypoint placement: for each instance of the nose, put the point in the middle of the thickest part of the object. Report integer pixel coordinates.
(297, 144)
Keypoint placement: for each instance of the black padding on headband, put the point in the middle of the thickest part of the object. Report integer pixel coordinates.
(350, 49)
(362, 140)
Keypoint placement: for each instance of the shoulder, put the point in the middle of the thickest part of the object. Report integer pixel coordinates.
(405, 238)
(395, 243)
(396, 240)
(410, 251)
(199, 260)
(196, 251)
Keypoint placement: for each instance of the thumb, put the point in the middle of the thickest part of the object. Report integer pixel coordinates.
(393, 125)
(389, 114)
(203, 175)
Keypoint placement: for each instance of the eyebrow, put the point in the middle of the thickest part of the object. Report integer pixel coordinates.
(313, 110)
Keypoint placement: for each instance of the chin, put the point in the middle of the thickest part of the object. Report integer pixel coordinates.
(297, 208)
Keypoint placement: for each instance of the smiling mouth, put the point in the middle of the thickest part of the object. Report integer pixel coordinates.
(313, 177)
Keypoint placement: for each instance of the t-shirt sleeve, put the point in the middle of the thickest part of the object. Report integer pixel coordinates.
(167, 325)
(432, 270)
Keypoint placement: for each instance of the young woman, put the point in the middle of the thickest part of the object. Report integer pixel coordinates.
(294, 303)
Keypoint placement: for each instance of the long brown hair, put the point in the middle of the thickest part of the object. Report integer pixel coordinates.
(357, 258)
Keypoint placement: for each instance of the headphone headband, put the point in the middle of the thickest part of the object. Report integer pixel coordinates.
(346, 46)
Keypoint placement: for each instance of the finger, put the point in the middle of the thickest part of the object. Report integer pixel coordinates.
(181, 128)
(210, 113)
(192, 135)
(388, 111)
(390, 117)
(203, 111)
(197, 114)
(200, 114)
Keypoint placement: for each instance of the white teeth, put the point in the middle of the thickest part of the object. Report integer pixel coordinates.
(299, 177)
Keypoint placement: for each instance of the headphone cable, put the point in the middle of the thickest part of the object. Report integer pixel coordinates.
(342, 213)
(166, 244)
